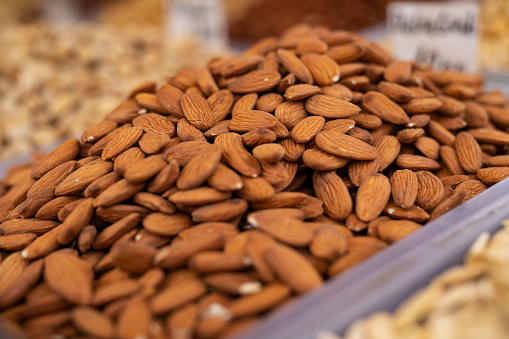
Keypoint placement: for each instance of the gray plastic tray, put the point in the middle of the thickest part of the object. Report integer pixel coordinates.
(385, 280)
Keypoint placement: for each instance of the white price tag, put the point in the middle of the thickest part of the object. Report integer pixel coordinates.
(204, 19)
(443, 34)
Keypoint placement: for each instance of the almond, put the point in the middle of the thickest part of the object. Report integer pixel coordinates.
(431, 190)
(236, 155)
(330, 107)
(69, 276)
(255, 81)
(404, 187)
(335, 196)
(469, 152)
(492, 175)
(169, 96)
(383, 107)
(324, 70)
(293, 268)
(294, 65)
(62, 153)
(122, 141)
(197, 111)
(84, 176)
(372, 196)
(307, 128)
(394, 230)
(345, 146)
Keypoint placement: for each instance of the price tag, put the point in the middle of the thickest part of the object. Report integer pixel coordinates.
(443, 34)
(204, 19)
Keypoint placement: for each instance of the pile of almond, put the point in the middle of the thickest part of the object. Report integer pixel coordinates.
(198, 206)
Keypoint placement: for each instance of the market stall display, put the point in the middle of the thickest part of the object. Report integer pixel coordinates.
(237, 186)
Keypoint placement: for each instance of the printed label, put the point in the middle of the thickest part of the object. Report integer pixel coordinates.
(445, 35)
(204, 19)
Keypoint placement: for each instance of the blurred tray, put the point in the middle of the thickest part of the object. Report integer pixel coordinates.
(385, 280)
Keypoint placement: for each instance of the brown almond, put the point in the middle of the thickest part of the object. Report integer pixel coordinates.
(126, 138)
(416, 162)
(294, 65)
(383, 107)
(255, 81)
(66, 151)
(398, 71)
(325, 70)
(205, 81)
(281, 225)
(166, 225)
(176, 296)
(221, 211)
(127, 158)
(150, 102)
(92, 322)
(69, 276)
(404, 187)
(388, 146)
(414, 213)
(431, 190)
(345, 146)
(395, 92)
(328, 243)
(83, 176)
(319, 160)
(53, 177)
(360, 170)
(237, 156)
(253, 304)
(197, 111)
(134, 320)
(330, 107)
(469, 152)
(450, 159)
(394, 230)
(245, 121)
(428, 146)
(372, 196)
(76, 221)
(492, 175)
(117, 192)
(331, 189)
(199, 168)
(293, 268)
(301, 91)
(169, 96)
(346, 52)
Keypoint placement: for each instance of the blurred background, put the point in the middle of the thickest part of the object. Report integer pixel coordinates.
(66, 63)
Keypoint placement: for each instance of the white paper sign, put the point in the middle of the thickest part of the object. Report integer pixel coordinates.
(443, 34)
(204, 19)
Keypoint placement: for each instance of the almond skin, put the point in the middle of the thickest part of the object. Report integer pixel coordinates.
(331, 189)
(404, 186)
(293, 268)
(383, 107)
(345, 146)
(372, 196)
(469, 152)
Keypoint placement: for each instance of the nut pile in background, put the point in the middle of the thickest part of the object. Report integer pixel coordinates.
(198, 206)
(469, 301)
(55, 82)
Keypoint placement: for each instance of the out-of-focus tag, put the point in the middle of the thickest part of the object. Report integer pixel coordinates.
(57, 12)
(443, 34)
(204, 19)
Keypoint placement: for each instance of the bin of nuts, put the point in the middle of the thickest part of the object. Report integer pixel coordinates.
(468, 301)
(56, 81)
(200, 205)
